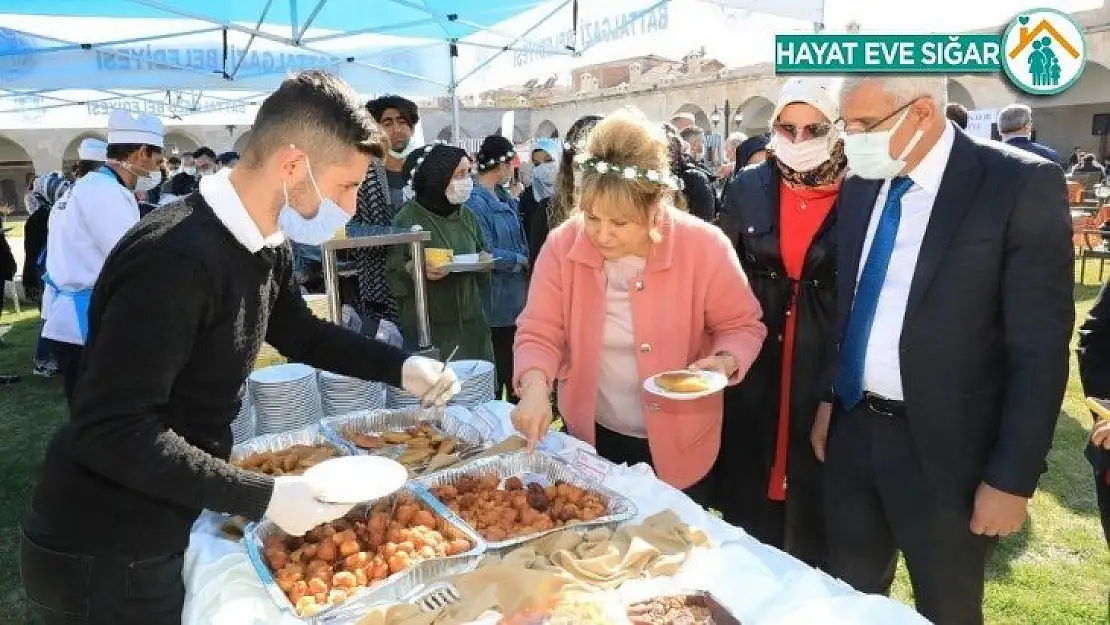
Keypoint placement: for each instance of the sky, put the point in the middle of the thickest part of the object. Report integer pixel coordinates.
(937, 15)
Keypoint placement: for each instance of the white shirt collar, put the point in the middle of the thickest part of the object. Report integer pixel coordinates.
(930, 171)
(221, 196)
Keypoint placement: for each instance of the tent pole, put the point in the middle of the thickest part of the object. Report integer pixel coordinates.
(454, 87)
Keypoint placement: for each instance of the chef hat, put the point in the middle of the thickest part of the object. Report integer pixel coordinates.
(134, 128)
(92, 149)
(820, 92)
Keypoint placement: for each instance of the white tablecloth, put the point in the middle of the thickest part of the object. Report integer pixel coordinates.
(760, 584)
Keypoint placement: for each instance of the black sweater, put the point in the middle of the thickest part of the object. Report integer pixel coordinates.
(1094, 364)
(176, 321)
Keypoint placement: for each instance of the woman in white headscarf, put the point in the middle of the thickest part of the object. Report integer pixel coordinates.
(781, 217)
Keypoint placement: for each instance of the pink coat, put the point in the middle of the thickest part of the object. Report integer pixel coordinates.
(693, 301)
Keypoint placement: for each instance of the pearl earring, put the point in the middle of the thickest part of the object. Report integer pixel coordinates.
(655, 235)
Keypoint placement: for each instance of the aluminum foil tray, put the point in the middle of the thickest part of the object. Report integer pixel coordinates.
(284, 440)
(528, 467)
(381, 421)
(719, 614)
(394, 589)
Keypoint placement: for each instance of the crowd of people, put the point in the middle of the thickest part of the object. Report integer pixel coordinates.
(891, 310)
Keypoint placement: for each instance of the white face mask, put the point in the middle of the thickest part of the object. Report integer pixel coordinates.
(458, 192)
(804, 156)
(149, 181)
(403, 153)
(192, 171)
(869, 152)
(316, 230)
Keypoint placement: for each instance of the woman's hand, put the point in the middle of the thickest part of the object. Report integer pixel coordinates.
(1100, 434)
(723, 363)
(435, 273)
(819, 434)
(532, 415)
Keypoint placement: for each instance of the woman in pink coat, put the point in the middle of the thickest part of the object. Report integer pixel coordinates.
(628, 288)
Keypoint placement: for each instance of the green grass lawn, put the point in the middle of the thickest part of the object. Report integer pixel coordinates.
(1055, 572)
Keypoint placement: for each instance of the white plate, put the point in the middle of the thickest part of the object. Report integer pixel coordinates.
(357, 479)
(479, 266)
(716, 382)
(282, 373)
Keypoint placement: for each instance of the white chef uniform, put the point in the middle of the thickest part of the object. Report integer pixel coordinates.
(84, 227)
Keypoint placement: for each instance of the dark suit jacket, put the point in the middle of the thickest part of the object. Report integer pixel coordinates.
(985, 341)
(1027, 144)
(1094, 363)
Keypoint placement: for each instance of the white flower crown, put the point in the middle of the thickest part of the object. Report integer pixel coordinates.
(589, 162)
(408, 190)
(500, 159)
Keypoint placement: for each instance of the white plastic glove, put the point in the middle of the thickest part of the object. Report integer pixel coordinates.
(428, 380)
(294, 506)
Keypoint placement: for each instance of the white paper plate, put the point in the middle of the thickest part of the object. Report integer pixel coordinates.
(716, 381)
(282, 373)
(357, 479)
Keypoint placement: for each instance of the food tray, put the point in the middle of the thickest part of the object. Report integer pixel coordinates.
(284, 440)
(719, 614)
(381, 421)
(521, 464)
(394, 588)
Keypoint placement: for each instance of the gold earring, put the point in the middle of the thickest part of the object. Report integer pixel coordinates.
(655, 235)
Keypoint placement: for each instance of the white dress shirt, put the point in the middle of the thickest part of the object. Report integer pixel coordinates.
(84, 226)
(882, 373)
(221, 196)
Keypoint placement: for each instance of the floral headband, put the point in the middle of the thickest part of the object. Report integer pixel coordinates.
(491, 162)
(587, 162)
(408, 192)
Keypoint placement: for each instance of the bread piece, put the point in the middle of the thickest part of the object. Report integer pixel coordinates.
(682, 382)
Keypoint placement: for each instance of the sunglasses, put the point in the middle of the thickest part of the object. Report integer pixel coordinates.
(815, 130)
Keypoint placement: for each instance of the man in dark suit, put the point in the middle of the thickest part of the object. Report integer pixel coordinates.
(1015, 124)
(955, 312)
(1094, 369)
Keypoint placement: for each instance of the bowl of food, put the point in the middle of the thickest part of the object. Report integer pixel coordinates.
(438, 256)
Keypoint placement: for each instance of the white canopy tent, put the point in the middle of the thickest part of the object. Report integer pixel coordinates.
(207, 59)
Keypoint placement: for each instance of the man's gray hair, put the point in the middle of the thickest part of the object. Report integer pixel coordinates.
(690, 132)
(1014, 117)
(905, 89)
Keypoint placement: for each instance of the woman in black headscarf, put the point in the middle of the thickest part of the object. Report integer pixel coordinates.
(440, 184)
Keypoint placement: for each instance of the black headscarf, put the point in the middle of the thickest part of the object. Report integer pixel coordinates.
(495, 150)
(748, 147)
(433, 171)
(406, 107)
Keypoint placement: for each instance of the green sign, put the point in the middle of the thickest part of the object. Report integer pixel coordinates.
(870, 54)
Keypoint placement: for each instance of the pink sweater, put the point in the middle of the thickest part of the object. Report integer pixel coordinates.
(693, 301)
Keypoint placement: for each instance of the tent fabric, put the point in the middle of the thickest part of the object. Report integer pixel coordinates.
(423, 48)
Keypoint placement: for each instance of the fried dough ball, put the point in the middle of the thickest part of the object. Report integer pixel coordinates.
(327, 551)
(514, 483)
(399, 562)
(405, 513)
(344, 579)
(424, 518)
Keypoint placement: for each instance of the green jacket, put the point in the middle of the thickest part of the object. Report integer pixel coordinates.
(455, 310)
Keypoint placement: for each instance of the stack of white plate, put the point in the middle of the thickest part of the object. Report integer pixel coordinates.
(341, 394)
(285, 397)
(242, 428)
(478, 378)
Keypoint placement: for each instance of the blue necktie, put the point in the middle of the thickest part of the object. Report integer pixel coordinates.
(853, 347)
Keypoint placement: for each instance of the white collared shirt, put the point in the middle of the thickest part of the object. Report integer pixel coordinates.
(882, 373)
(216, 189)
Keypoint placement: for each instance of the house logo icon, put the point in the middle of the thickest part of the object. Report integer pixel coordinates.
(1044, 51)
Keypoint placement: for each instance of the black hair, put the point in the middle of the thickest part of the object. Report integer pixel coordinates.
(406, 107)
(957, 113)
(562, 203)
(227, 158)
(123, 151)
(86, 167)
(317, 112)
(173, 161)
(204, 150)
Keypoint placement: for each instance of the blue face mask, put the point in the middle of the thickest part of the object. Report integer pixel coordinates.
(322, 227)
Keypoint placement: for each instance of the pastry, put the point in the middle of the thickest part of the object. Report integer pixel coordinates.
(682, 382)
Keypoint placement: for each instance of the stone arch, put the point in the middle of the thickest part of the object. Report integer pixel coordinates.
(178, 142)
(960, 94)
(755, 115)
(547, 130)
(241, 143)
(70, 156)
(16, 169)
(701, 120)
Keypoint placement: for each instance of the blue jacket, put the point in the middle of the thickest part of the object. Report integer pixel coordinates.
(1027, 144)
(499, 219)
